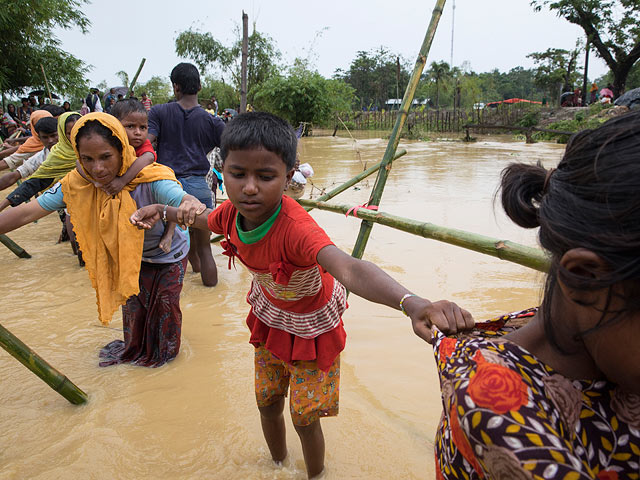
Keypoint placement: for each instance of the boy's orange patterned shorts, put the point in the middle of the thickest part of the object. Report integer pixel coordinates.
(314, 393)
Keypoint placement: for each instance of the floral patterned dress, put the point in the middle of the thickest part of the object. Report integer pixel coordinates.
(509, 416)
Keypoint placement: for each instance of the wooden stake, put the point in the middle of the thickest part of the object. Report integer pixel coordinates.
(243, 64)
(503, 249)
(383, 172)
(14, 247)
(41, 368)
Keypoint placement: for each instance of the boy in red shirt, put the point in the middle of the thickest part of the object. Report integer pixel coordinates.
(300, 278)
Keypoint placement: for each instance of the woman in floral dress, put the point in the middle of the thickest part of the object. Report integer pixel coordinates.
(554, 392)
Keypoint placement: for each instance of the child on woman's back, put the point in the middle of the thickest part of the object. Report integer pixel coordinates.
(134, 119)
(298, 292)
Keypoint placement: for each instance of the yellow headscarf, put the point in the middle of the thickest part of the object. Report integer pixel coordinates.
(33, 143)
(62, 158)
(111, 246)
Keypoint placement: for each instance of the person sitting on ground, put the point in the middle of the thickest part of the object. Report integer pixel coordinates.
(60, 161)
(66, 106)
(560, 396)
(125, 265)
(47, 129)
(29, 148)
(185, 133)
(7, 123)
(298, 292)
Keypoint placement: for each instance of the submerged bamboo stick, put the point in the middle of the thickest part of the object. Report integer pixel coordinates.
(41, 368)
(349, 183)
(14, 247)
(383, 172)
(503, 249)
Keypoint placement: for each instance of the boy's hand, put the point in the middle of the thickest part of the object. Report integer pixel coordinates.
(147, 217)
(189, 209)
(114, 186)
(446, 315)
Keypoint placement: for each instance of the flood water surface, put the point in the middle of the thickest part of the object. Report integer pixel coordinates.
(196, 416)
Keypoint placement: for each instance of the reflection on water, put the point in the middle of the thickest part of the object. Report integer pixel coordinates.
(196, 417)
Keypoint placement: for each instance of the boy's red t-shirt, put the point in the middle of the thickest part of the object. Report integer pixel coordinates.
(146, 147)
(296, 306)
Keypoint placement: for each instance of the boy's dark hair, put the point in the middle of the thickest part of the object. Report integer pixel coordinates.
(94, 127)
(590, 201)
(254, 130)
(126, 106)
(47, 126)
(187, 77)
(55, 110)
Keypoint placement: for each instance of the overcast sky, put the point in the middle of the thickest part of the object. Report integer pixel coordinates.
(488, 34)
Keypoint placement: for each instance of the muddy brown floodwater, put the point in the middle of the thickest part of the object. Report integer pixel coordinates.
(196, 417)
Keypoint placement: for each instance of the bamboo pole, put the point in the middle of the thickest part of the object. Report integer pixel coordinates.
(135, 77)
(383, 172)
(46, 82)
(41, 368)
(348, 184)
(14, 247)
(503, 249)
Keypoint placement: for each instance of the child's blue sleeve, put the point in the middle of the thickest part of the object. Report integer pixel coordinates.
(52, 199)
(167, 192)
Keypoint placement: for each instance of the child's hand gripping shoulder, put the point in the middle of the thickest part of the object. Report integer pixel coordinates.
(446, 316)
(368, 281)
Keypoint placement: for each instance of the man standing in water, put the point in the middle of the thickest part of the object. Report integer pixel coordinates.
(183, 133)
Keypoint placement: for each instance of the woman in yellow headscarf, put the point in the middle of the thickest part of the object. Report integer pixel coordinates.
(125, 264)
(60, 161)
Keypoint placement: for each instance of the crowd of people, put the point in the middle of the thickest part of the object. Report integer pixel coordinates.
(549, 392)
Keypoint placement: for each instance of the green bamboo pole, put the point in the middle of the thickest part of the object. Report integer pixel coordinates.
(350, 183)
(41, 368)
(14, 247)
(503, 249)
(383, 173)
(135, 77)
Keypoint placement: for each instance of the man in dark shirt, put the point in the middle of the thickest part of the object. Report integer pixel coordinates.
(183, 133)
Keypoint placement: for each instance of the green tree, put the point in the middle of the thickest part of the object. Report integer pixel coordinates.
(226, 95)
(157, 89)
(376, 76)
(303, 95)
(556, 66)
(27, 41)
(612, 27)
(207, 53)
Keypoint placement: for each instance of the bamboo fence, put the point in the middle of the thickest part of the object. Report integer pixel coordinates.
(41, 367)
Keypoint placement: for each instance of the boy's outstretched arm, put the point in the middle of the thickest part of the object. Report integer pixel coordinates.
(118, 183)
(368, 281)
(21, 215)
